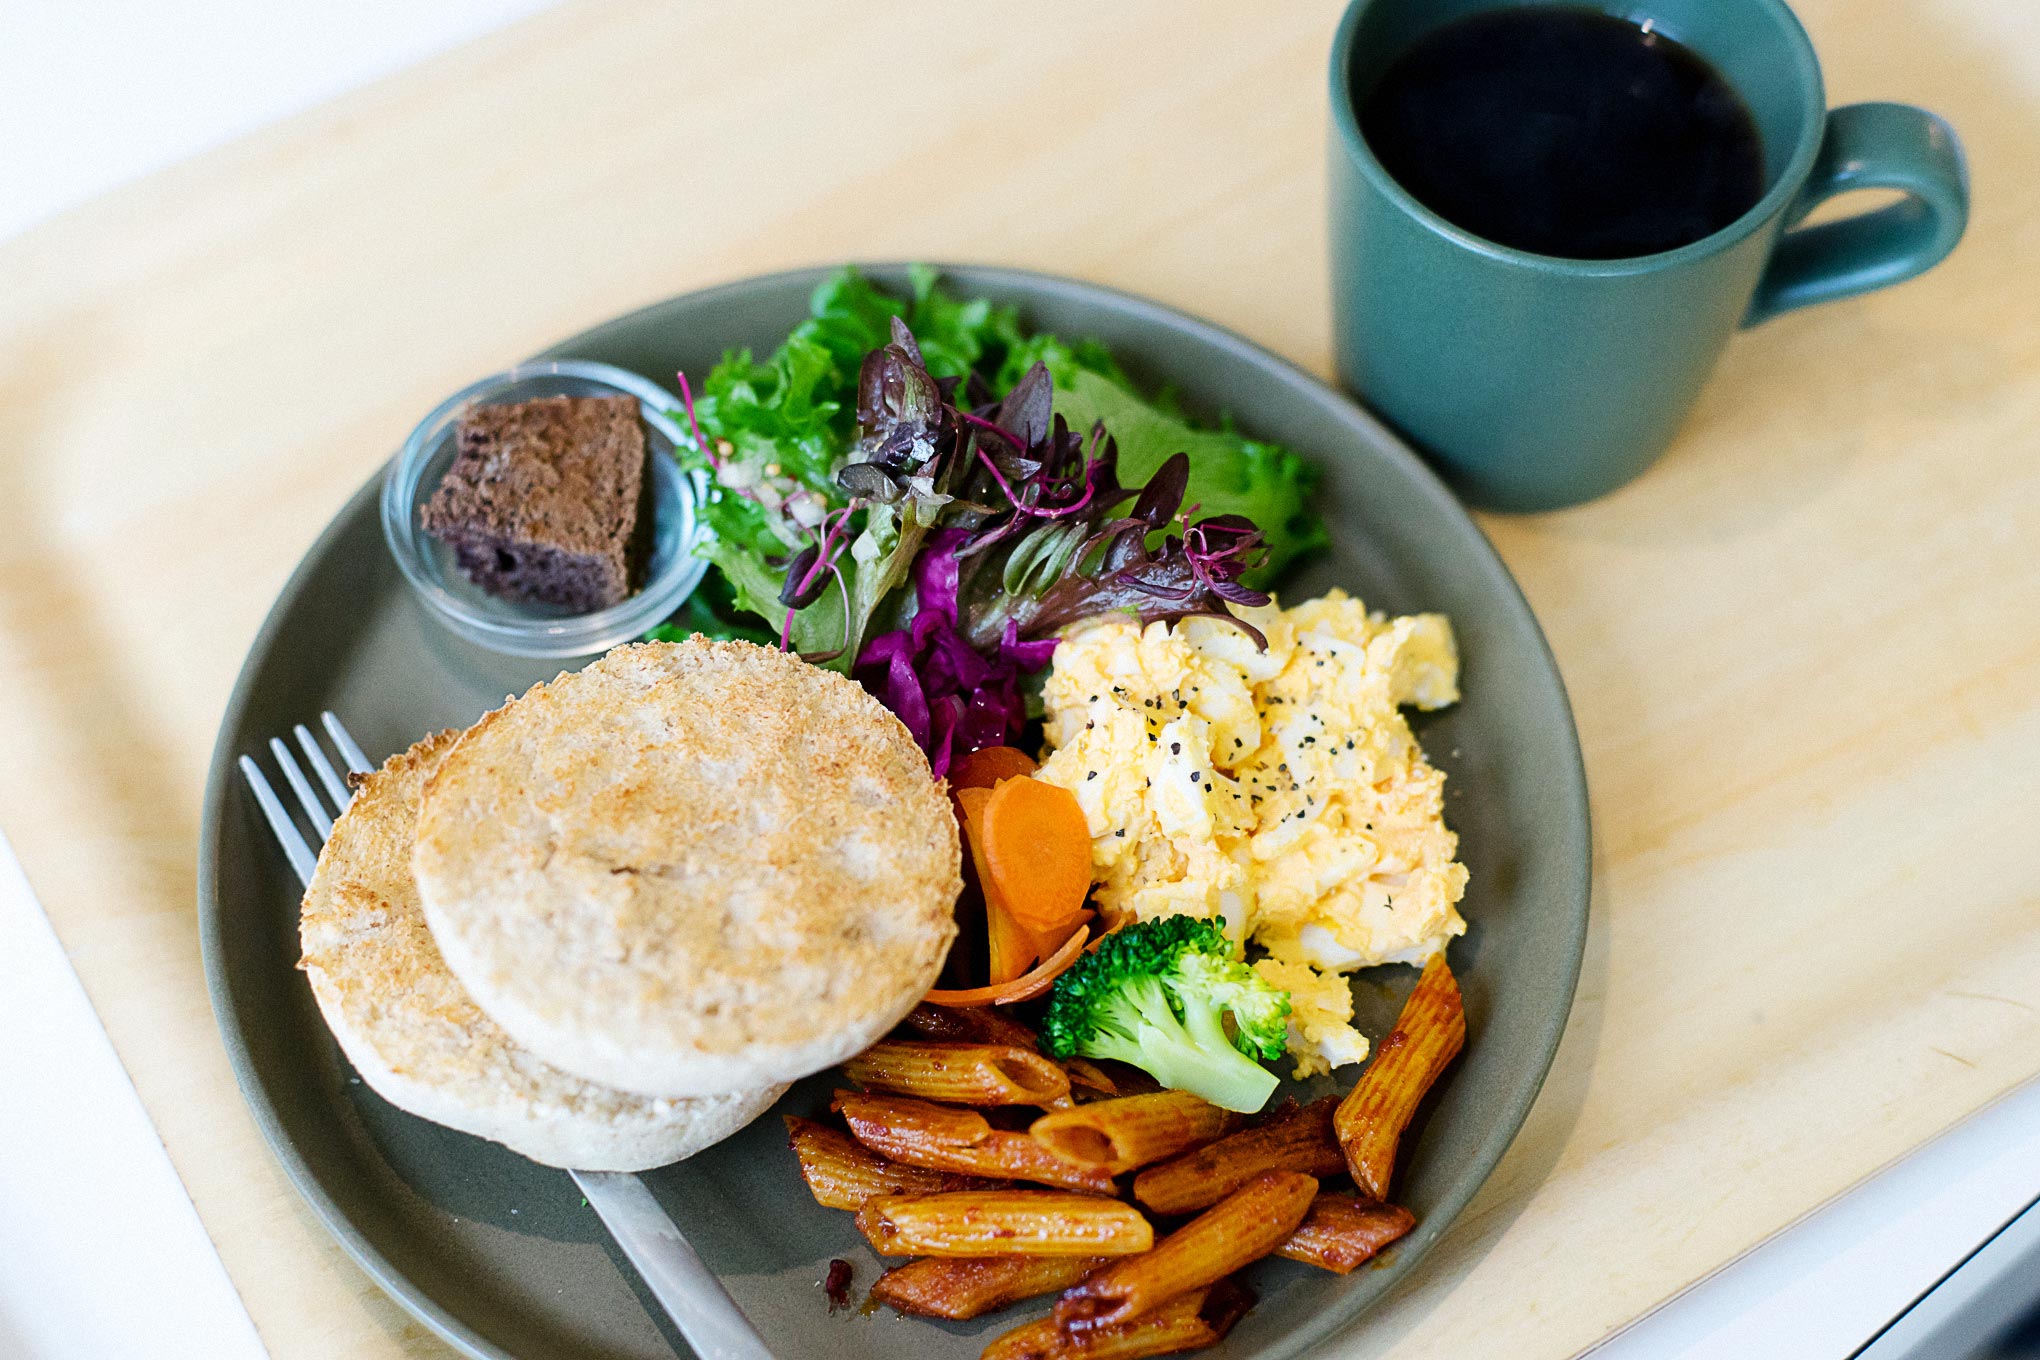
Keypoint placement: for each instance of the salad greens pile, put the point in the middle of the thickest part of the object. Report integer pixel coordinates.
(914, 490)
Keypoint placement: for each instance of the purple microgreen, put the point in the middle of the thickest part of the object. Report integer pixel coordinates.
(985, 457)
(871, 481)
(1028, 409)
(842, 588)
(800, 588)
(1115, 569)
(904, 338)
(687, 403)
(990, 427)
(1156, 506)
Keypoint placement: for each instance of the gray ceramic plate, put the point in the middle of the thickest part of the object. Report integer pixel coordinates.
(500, 1257)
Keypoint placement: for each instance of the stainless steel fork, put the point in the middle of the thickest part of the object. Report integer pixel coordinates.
(696, 1301)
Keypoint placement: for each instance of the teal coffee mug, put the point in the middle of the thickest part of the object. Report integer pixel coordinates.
(1534, 381)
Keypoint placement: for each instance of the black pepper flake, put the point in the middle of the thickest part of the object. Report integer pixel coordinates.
(1091, 775)
(1119, 832)
(1175, 748)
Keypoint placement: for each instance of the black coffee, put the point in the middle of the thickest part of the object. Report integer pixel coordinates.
(1565, 132)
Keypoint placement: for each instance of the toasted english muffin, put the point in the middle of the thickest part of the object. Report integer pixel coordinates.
(413, 1033)
(691, 868)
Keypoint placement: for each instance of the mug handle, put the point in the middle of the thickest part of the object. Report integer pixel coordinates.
(1869, 146)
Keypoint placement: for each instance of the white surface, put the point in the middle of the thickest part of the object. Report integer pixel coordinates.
(101, 1253)
(94, 93)
(1982, 1310)
(1826, 1286)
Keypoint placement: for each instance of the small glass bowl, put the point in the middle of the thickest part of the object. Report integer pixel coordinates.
(670, 572)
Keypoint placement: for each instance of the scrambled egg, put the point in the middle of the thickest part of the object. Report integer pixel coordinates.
(1281, 789)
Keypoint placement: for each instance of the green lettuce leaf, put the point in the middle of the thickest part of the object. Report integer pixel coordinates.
(1229, 473)
(712, 611)
(787, 420)
(785, 414)
(1064, 360)
(755, 583)
(849, 316)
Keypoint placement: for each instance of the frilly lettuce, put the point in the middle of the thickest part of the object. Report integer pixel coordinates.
(780, 431)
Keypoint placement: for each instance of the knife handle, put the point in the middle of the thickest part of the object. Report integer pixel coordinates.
(692, 1296)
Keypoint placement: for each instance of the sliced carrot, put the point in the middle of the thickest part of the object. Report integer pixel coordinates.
(1037, 849)
(1015, 947)
(1023, 988)
(1016, 939)
(1042, 943)
(972, 801)
(983, 769)
(1013, 944)
(1008, 944)
(1012, 950)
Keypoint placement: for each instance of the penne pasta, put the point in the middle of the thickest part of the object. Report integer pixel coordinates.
(1003, 1222)
(966, 1286)
(1342, 1232)
(1242, 1228)
(1127, 1080)
(1087, 1075)
(842, 1174)
(984, 1025)
(1188, 1322)
(930, 1172)
(1119, 1135)
(1296, 1138)
(942, 1138)
(968, 1074)
(1427, 1037)
(967, 1025)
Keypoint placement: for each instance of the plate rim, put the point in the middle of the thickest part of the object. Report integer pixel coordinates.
(1574, 806)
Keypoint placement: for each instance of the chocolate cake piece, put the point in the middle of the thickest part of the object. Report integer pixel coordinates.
(541, 502)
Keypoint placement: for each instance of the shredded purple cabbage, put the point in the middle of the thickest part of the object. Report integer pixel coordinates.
(953, 698)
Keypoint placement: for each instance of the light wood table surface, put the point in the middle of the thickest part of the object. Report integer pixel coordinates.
(1804, 651)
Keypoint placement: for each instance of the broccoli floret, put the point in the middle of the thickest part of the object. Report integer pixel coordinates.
(1155, 994)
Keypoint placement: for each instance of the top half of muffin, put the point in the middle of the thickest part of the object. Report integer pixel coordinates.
(690, 868)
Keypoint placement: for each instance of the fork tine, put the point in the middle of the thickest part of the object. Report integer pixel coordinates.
(280, 825)
(356, 761)
(322, 767)
(302, 787)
